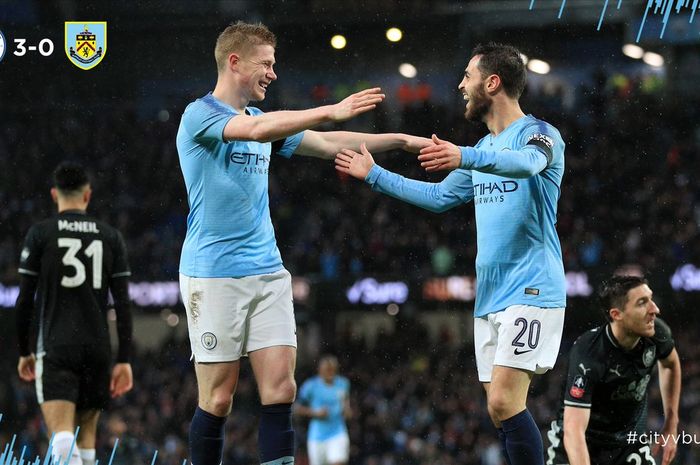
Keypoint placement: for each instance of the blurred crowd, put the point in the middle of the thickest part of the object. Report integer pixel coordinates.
(416, 405)
(629, 194)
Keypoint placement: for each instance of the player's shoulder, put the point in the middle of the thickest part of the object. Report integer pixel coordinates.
(254, 111)
(207, 104)
(588, 353)
(342, 380)
(662, 331)
(43, 226)
(532, 125)
(312, 381)
(590, 342)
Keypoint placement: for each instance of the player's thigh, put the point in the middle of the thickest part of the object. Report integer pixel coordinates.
(217, 310)
(338, 449)
(507, 393)
(485, 343)
(629, 454)
(529, 337)
(57, 376)
(271, 321)
(273, 368)
(317, 452)
(217, 379)
(59, 415)
(95, 375)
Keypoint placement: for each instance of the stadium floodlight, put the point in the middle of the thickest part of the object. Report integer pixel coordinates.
(407, 70)
(633, 51)
(524, 58)
(394, 34)
(653, 59)
(338, 42)
(538, 66)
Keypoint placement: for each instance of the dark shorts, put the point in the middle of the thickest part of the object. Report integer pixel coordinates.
(609, 455)
(78, 374)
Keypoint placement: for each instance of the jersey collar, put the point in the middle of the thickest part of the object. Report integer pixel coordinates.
(73, 212)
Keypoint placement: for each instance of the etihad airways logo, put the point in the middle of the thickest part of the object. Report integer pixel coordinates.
(253, 163)
(493, 192)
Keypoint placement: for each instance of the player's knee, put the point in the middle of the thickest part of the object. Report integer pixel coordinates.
(501, 405)
(283, 392)
(218, 403)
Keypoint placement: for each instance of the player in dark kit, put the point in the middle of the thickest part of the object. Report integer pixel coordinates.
(605, 397)
(73, 261)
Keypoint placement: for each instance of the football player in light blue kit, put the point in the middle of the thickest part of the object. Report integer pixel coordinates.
(513, 175)
(325, 399)
(236, 292)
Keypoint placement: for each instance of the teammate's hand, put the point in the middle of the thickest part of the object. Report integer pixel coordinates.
(414, 144)
(356, 104)
(669, 450)
(122, 380)
(27, 368)
(443, 155)
(321, 413)
(355, 164)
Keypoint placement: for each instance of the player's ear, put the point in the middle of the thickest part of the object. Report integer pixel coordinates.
(493, 83)
(54, 195)
(87, 194)
(615, 314)
(233, 59)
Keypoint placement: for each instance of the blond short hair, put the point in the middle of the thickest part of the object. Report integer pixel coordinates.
(239, 37)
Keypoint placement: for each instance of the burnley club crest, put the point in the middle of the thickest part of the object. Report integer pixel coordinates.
(86, 43)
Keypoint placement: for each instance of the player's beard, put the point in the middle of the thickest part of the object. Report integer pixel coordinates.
(480, 105)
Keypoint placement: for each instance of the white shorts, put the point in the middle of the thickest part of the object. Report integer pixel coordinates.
(229, 317)
(332, 450)
(521, 336)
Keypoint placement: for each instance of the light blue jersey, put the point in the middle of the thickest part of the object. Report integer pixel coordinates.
(316, 394)
(514, 179)
(229, 230)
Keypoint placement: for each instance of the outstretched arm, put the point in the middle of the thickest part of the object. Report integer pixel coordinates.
(454, 190)
(670, 384)
(445, 155)
(280, 124)
(328, 144)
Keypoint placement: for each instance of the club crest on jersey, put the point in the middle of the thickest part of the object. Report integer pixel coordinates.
(649, 356)
(208, 341)
(578, 388)
(85, 43)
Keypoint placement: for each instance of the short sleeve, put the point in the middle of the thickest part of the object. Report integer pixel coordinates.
(121, 259)
(582, 376)
(286, 147)
(30, 257)
(663, 339)
(205, 122)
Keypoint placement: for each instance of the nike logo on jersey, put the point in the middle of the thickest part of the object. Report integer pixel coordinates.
(520, 352)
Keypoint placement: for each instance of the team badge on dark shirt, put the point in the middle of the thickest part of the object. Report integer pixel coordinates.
(649, 356)
(578, 388)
